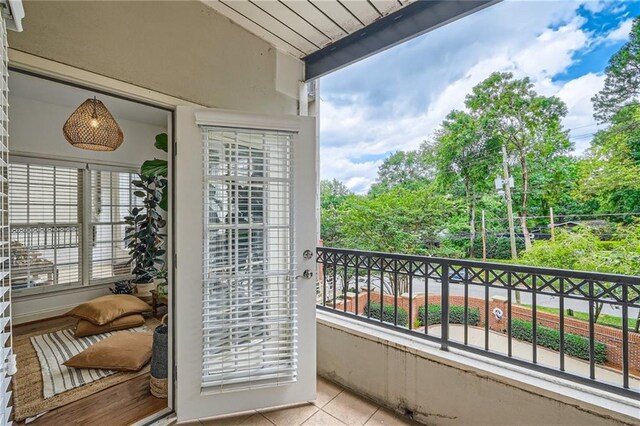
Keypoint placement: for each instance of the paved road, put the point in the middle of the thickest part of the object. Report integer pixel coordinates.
(456, 289)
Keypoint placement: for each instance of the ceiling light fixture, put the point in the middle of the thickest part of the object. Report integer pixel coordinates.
(91, 126)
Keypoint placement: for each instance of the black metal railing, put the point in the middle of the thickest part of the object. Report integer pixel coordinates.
(481, 303)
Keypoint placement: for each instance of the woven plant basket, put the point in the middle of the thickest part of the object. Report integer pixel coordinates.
(159, 387)
(160, 360)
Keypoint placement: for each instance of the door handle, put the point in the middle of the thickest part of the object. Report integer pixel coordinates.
(307, 274)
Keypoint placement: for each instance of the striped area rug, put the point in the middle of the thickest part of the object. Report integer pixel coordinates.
(53, 349)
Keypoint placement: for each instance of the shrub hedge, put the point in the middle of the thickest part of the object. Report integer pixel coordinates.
(456, 315)
(574, 345)
(373, 310)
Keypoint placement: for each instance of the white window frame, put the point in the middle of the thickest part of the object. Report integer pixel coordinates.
(85, 223)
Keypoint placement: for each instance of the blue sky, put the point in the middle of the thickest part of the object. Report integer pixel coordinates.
(396, 99)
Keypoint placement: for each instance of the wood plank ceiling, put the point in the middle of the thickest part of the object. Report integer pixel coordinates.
(302, 27)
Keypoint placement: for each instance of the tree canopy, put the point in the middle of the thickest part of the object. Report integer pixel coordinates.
(527, 124)
(622, 82)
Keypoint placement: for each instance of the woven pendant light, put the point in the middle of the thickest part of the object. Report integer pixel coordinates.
(91, 126)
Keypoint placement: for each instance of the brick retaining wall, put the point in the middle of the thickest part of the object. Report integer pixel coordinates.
(610, 336)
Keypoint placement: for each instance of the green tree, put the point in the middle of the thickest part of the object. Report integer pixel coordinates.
(402, 168)
(583, 250)
(622, 82)
(400, 220)
(609, 174)
(463, 154)
(332, 194)
(554, 183)
(528, 124)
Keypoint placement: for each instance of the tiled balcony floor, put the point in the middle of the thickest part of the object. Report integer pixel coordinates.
(333, 406)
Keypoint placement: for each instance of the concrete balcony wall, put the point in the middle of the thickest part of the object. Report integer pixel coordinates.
(446, 388)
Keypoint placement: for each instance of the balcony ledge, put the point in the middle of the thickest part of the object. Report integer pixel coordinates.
(537, 388)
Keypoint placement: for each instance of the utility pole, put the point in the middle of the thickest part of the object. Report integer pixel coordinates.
(507, 196)
(484, 239)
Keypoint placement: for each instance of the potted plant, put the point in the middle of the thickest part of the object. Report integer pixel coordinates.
(143, 235)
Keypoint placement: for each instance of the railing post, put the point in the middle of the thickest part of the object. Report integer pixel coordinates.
(444, 300)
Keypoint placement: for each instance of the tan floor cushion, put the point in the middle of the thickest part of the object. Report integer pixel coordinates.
(123, 351)
(87, 328)
(105, 309)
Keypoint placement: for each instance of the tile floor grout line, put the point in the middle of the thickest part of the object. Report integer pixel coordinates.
(373, 414)
(266, 418)
(327, 403)
(332, 416)
(314, 413)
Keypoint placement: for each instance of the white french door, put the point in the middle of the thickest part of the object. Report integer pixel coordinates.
(244, 307)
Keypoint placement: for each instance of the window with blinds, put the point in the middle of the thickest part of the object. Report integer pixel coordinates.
(249, 297)
(111, 200)
(57, 236)
(46, 215)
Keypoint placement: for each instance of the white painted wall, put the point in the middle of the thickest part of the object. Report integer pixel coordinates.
(439, 388)
(35, 128)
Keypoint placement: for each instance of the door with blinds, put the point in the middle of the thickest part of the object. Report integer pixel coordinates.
(7, 358)
(246, 191)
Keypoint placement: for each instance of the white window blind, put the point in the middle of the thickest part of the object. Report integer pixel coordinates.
(111, 200)
(46, 214)
(249, 297)
(7, 360)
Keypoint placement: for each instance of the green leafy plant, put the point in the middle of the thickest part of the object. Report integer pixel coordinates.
(574, 345)
(456, 315)
(159, 167)
(372, 309)
(163, 285)
(143, 236)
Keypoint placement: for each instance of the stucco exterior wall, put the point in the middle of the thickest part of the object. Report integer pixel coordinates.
(179, 48)
(439, 391)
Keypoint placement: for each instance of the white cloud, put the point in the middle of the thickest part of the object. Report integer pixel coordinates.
(552, 51)
(365, 113)
(577, 95)
(620, 33)
(595, 6)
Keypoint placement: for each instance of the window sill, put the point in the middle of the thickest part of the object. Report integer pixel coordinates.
(38, 292)
(544, 385)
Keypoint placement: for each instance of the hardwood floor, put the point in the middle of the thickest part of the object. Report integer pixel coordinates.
(119, 405)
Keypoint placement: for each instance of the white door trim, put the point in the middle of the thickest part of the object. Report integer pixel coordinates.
(240, 120)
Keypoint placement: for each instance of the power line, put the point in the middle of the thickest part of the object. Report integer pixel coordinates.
(581, 127)
(576, 215)
(589, 215)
